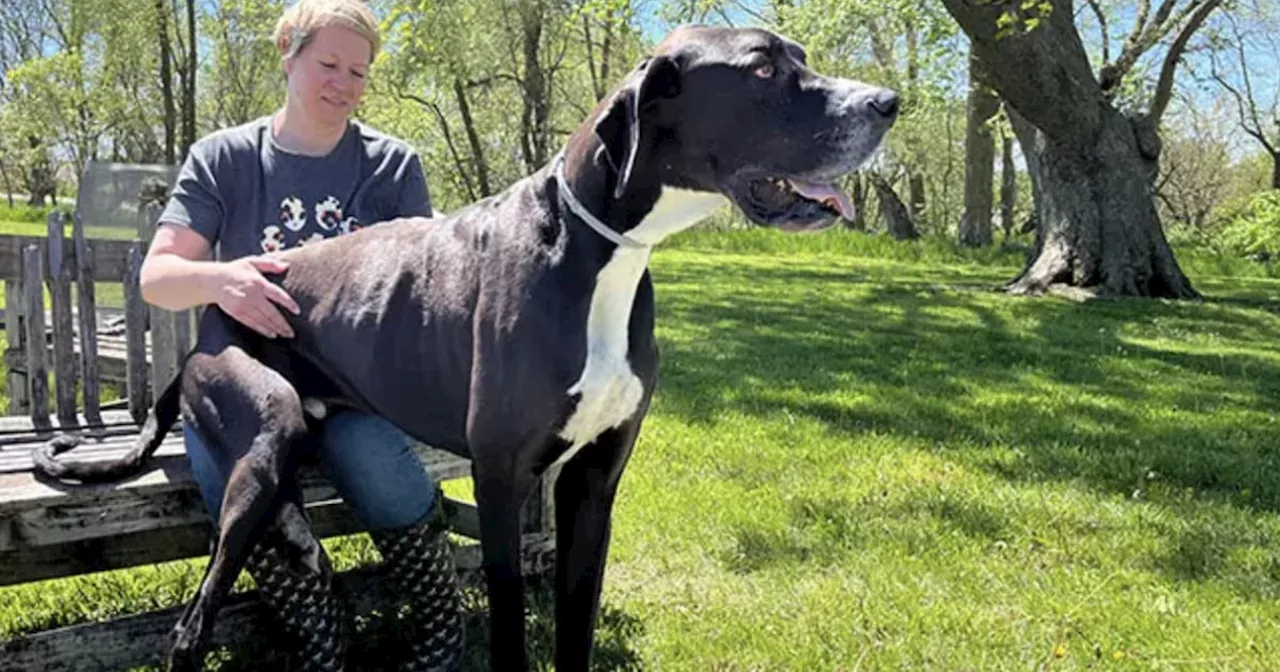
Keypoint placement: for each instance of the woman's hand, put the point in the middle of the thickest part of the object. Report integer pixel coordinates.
(243, 293)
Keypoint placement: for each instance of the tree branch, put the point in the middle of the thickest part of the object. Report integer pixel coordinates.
(1164, 85)
(1140, 41)
(448, 138)
(1249, 121)
(1043, 72)
(1102, 26)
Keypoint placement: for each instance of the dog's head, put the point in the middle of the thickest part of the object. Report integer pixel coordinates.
(738, 111)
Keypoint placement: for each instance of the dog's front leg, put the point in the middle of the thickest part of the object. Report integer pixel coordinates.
(584, 493)
(500, 492)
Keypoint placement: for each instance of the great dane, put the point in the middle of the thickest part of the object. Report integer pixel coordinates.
(518, 331)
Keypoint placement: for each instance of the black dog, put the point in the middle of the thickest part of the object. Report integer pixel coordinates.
(518, 331)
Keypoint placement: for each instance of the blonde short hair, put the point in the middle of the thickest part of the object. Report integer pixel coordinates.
(301, 21)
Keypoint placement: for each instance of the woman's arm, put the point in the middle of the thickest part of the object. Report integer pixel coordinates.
(176, 274)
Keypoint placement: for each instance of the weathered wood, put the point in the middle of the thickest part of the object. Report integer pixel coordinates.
(145, 639)
(148, 218)
(61, 276)
(181, 336)
(21, 563)
(18, 424)
(78, 511)
(87, 303)
(112, 256)
(164, 360)
(135, 329)
(13, 332)
(33, 307)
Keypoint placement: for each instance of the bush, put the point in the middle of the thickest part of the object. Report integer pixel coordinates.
(1255, 229)
(25, 213)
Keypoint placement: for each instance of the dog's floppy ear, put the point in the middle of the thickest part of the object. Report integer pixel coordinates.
(619, 127)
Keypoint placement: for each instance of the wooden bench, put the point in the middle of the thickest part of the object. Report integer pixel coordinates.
(52, 530)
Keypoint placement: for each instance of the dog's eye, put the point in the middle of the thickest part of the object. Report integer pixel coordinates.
(764, 72)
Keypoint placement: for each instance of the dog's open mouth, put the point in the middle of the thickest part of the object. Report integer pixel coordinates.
(793, 203)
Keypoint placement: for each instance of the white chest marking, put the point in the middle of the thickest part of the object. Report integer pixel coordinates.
(611, 392)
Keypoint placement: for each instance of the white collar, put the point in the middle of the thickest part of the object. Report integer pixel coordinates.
(620, 239)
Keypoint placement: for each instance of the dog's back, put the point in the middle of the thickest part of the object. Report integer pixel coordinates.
(472, 278)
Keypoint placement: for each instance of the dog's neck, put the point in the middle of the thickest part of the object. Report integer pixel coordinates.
(644, 215)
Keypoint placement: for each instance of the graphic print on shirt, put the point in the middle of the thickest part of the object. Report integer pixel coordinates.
(328, 213)
(296, 229)
(292, 215)
(272, 239)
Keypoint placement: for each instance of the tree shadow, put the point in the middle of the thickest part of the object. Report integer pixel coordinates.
(379, 643)
(1076, 389)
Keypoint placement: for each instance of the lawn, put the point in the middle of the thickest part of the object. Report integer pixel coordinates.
(862, 457)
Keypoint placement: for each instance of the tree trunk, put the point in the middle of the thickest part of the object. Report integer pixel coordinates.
(1091, 166)
(8, 186)
(536, 116)
(859, 195)
(897, 221)
(916, 195)
(1008, 184)
(166, 79)
(40, 180)
(979, 151)
(599, 76)
(473, 139)
(1275, 170)
(189, 83)
(1097, 228)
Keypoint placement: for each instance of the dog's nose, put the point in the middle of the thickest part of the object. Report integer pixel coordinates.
(884, 102)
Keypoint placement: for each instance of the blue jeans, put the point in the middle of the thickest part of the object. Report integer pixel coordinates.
(369, 460)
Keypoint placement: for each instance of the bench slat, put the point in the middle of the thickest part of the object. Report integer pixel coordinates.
(16, 424)
(169, 498)
(21, 490)
(87, 312)
(329, 518)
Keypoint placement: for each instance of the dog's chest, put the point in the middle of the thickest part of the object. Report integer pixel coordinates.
(609, 391)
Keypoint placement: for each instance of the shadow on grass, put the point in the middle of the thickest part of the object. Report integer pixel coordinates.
(1099, 393)
(379, 645)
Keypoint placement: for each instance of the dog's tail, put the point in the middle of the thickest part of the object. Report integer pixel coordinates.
(159, 420)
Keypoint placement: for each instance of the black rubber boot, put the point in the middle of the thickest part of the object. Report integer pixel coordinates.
(419, 561)
(303, 602)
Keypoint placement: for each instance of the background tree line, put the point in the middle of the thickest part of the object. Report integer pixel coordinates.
(1090, 132)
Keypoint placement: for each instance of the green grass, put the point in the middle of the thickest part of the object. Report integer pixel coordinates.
(861, 457)
(39, 228)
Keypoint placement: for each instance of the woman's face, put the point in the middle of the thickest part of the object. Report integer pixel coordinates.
(327, 77)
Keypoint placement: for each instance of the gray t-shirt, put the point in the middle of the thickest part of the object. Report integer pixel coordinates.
(247, 195)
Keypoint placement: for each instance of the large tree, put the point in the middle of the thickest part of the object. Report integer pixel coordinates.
(1092, 163)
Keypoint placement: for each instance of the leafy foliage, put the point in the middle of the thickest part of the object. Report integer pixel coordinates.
(1256, 229)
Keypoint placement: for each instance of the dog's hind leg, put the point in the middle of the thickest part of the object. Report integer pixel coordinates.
(584, 493)
(268, 420)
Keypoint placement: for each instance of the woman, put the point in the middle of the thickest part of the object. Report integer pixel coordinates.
(305, 173)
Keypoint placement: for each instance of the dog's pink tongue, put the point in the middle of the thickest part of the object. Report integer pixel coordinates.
(825, 192)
